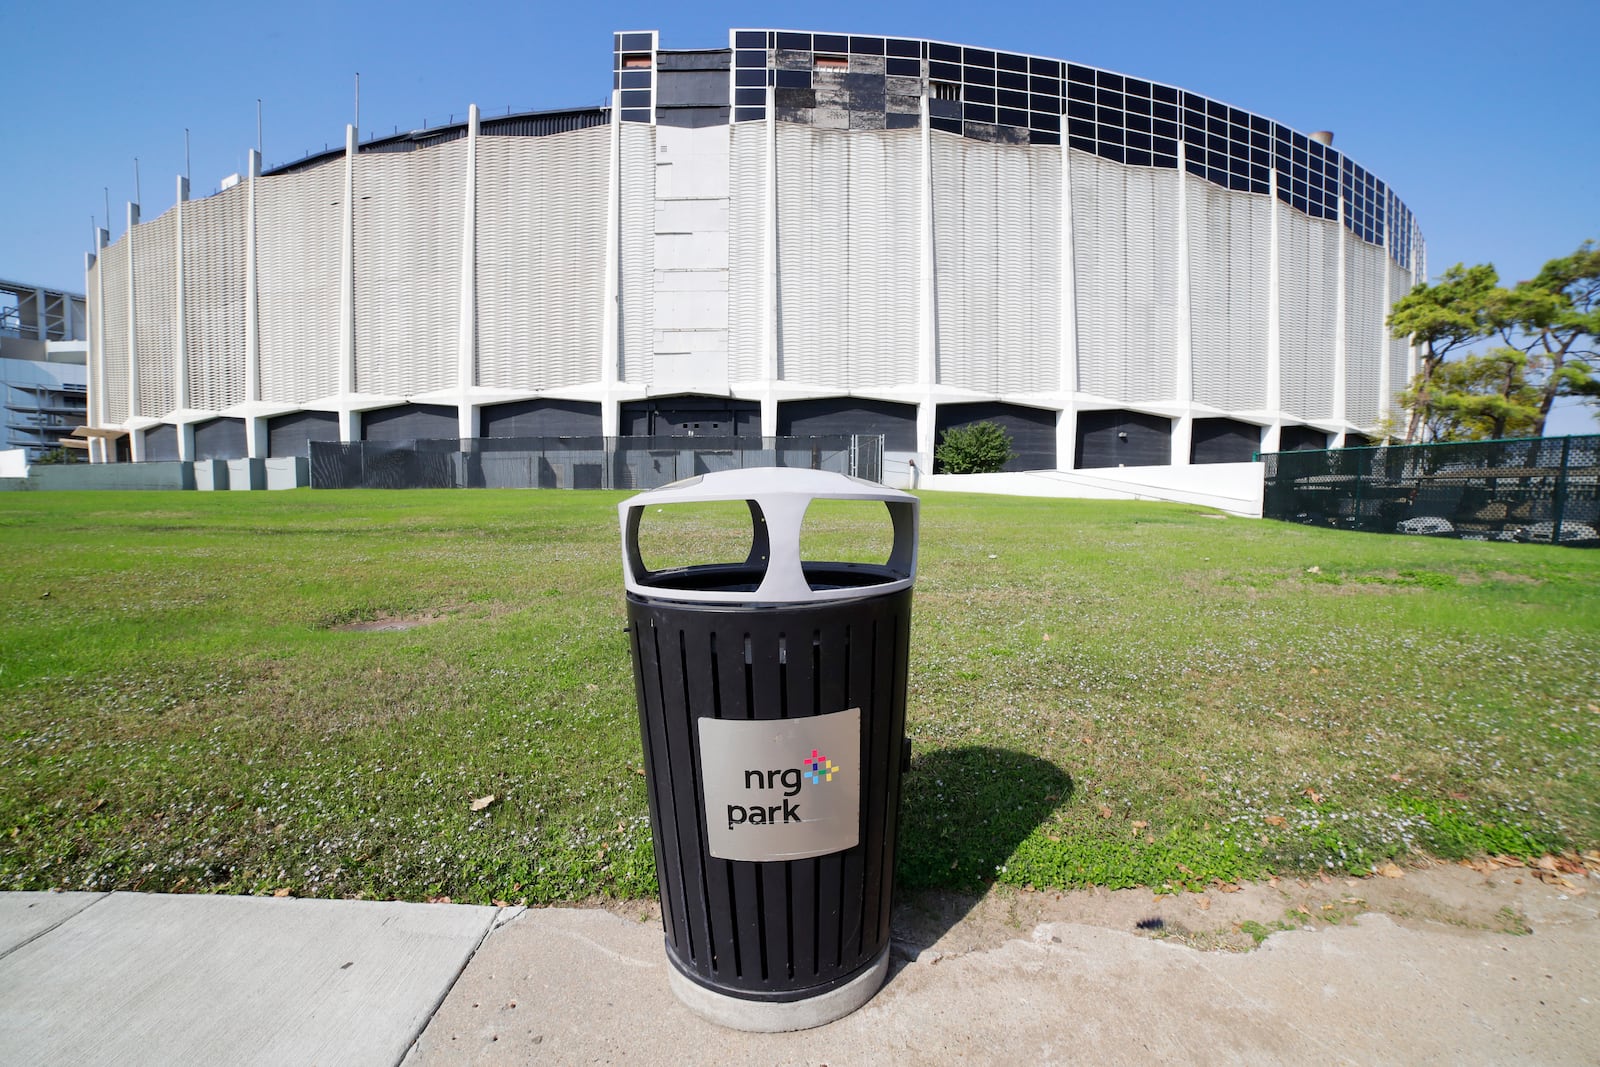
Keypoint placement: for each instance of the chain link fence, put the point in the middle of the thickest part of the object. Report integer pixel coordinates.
(1532, 489)
(577, 462)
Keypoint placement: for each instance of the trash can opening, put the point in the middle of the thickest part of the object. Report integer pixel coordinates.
(847, 531)
(703, 533)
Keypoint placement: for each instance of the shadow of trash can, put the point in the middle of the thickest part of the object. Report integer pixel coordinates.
(771, 697)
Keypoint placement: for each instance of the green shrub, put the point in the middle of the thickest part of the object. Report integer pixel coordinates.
(981, 448)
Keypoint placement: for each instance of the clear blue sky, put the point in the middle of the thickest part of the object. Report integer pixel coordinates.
(1480, 116)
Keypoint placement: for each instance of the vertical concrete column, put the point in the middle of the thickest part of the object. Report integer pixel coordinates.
(1067, 422)
(41, 329)
(771, 367)
(180, 328)
(255, 427)
(467, 331)
(611, 318)
(97, 371)
(1183, 357)
(349, 429)
(1274, 431)
(91, 324)
(1341, 340)
(135, 437)
(927, 325)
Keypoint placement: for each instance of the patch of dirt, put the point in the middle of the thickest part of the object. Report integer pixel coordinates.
(389, 623)
(1470, 901)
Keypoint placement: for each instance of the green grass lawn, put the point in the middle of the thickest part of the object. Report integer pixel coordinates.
(1108, 694)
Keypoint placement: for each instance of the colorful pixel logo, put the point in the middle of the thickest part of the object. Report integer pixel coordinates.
(819, 768)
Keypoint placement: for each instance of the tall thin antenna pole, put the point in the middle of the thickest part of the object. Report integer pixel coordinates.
(258, 125)
(107, 189)
(186, 176)
(137, 199)
(358, 105)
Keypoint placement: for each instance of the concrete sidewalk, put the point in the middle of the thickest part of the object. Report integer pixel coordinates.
(135, 979)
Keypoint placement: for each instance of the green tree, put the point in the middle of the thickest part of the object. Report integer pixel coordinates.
(1438, 319)
(1484, 396)
(978, 448)
(57, 455)
(1554, 320)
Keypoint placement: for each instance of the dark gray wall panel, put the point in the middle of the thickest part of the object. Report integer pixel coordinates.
(1224, 441)
(220, 439)
(849, 415)
(1123, 439)
(540, 418)
(1032, 430)
(291, 435)
(697, 416)
(161, 443)
(410, 422)
(1302, 439)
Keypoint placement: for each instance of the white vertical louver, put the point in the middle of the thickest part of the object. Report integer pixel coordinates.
(1124, 240)
(92, 307)
(1229, 234)
(114, 268)
(214, 297)
(997, 266)
(747, 237)
(408, 268)
(541, 258)
(1308, 275)
(298, 259)
(637, 290)
(1364, 312)
(155, 281)
(847, 231)
(1397, 349)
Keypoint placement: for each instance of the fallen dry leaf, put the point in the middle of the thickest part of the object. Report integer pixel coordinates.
(482, 802)
(1105, 812)
(1389, 870)
(1276, 820)
(281, 892)
(440, 900)
(1204, 903)
(1324, 876)
(1316, 797)
(1545, 862)
(1139, 824)
(1230, 887)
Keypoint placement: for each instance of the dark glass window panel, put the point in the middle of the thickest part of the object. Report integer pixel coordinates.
(978, 57)
(750, 59)
(1259, 140)
(1192, 117)
(980, 75)
(1238, 132)
(1042, 102)
(1300, 157)
(867, 46)
(640, 79)
(1237, 117)
(946, 125)
(1260, 124)
(1168, 112)
(1046, 122)
(1216, 109)
(1194, 137)
(636, 98)
(1260, 188)
(1217, 177)
(1138, 105)
(904, 49)
(950, 109)
(944, 72)
(1078, 109)
(750, 97)
(1137, 158)
(750, 39)
(1080, 74)
(1166, 146)
(1238, 166)
(904, 68)
(1317, 150)
(1048, 86)
(1080, 128)
(1299, 141)
(1050, 68)
(1217, 126)
(1165, 93)
(1138, 140)
(1011, 98)
(1107, 80)
(1299, 188)
(635, 42)
(1239, 182)
(1044, 137)
(830, 42)
(1139, 122)
(1109, 98)
(1169, 162)
(1195, 167)
(635, 116)
(977, 112)
(797, 42)
(1077, 91)
(1011, 61)
(1109, 115)
(978, 94)
(793, 79)
(1164, 129)
(1217, 143)
(1299, 174)
(1010, 79)
(948, 53)
(1136, 87)
(1082, 144)
(748, 114)
(1109, 134)
(1010, 117)
(1261, 157)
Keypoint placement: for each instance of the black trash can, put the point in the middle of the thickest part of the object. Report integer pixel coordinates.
(772, 699)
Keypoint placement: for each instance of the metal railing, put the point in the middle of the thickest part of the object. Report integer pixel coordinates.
(577, 462)
(1544, 489)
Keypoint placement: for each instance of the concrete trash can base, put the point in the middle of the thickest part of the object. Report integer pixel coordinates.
(771, 699)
